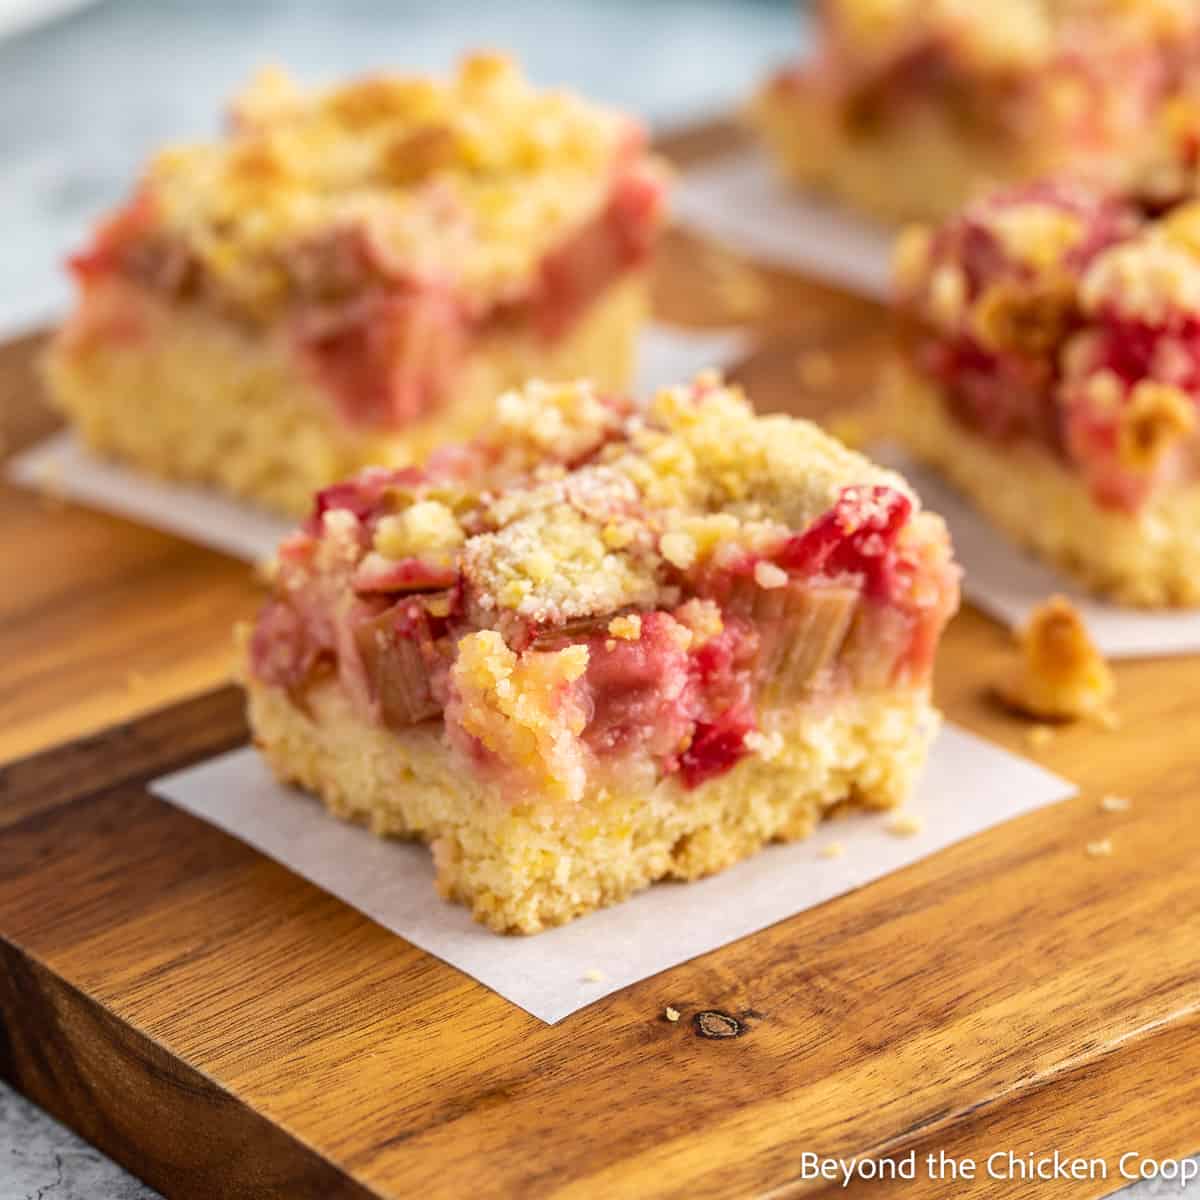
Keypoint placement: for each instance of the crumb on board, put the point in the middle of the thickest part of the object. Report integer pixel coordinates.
(905, 825)
(1062, 676)
(265, 569)
(1115, 804)
(593, 975)
(831, 850)
(672, 1014)
(816, 368)
(739, 287)
(1102, 848)
(1040, 736)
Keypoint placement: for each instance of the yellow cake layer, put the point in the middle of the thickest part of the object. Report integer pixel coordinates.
(523, 869)
(199, 398)
(924, 170)
(1150, 558)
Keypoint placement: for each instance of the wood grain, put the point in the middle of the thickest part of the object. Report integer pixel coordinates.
(965, 987)
(226, 1029)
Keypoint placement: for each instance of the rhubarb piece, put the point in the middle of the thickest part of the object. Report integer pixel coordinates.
(908, 108)
(602, 645)
(1062, 676)
(1050, 368)
(351, 276)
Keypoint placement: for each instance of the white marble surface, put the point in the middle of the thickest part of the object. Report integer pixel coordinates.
(42, 1160)
(83, 100)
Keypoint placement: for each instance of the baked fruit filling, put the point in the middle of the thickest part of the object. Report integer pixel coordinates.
(1049, 366)
(352, 276)
(380, 229)
(1054, 315)
(977, 94)
(599, 601)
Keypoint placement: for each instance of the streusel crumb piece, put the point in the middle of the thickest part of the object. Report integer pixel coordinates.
(1062, 675)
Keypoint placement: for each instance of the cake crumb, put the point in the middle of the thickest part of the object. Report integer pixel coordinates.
(593, 975)
(1115, 804)
(672, 1014)
(627, 628)
(1100, 849)
(1040, 736)
(1062, 675)
(906, 825)
(816, 369)
(739, 287)
(831, 850)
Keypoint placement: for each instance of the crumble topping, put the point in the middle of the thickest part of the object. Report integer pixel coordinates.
(553, 564)
(1020, 36)
(521, 709)
(628, 627)
(1149, 279)
(473, 177)
(1062, 675)
(1072, 321)
(1156, 416)
(1038, 236)
(589, 581)
(426, 527)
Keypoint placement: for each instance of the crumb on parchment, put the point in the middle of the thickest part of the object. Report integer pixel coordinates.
(832, 850)
(906, 825)
(593, 975)
(1062, 676)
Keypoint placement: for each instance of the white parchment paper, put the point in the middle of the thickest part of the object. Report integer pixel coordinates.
(739, 200)
(1007, 582)
(667, 355)
(968, 785)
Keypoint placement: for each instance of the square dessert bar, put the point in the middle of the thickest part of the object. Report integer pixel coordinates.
(603, 646)
(352, 276)
(908, 107)
(1051, 369)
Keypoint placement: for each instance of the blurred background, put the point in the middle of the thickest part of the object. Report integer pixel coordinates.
(88, 88)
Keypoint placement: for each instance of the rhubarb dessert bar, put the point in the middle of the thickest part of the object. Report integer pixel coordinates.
(602, 646)
(351, 276)
(909, 107)
(1051, 369)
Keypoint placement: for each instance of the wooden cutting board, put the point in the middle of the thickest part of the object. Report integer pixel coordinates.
(226, 1029)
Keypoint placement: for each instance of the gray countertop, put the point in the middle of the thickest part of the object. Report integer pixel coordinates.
(83, 100)
(41, 1160)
